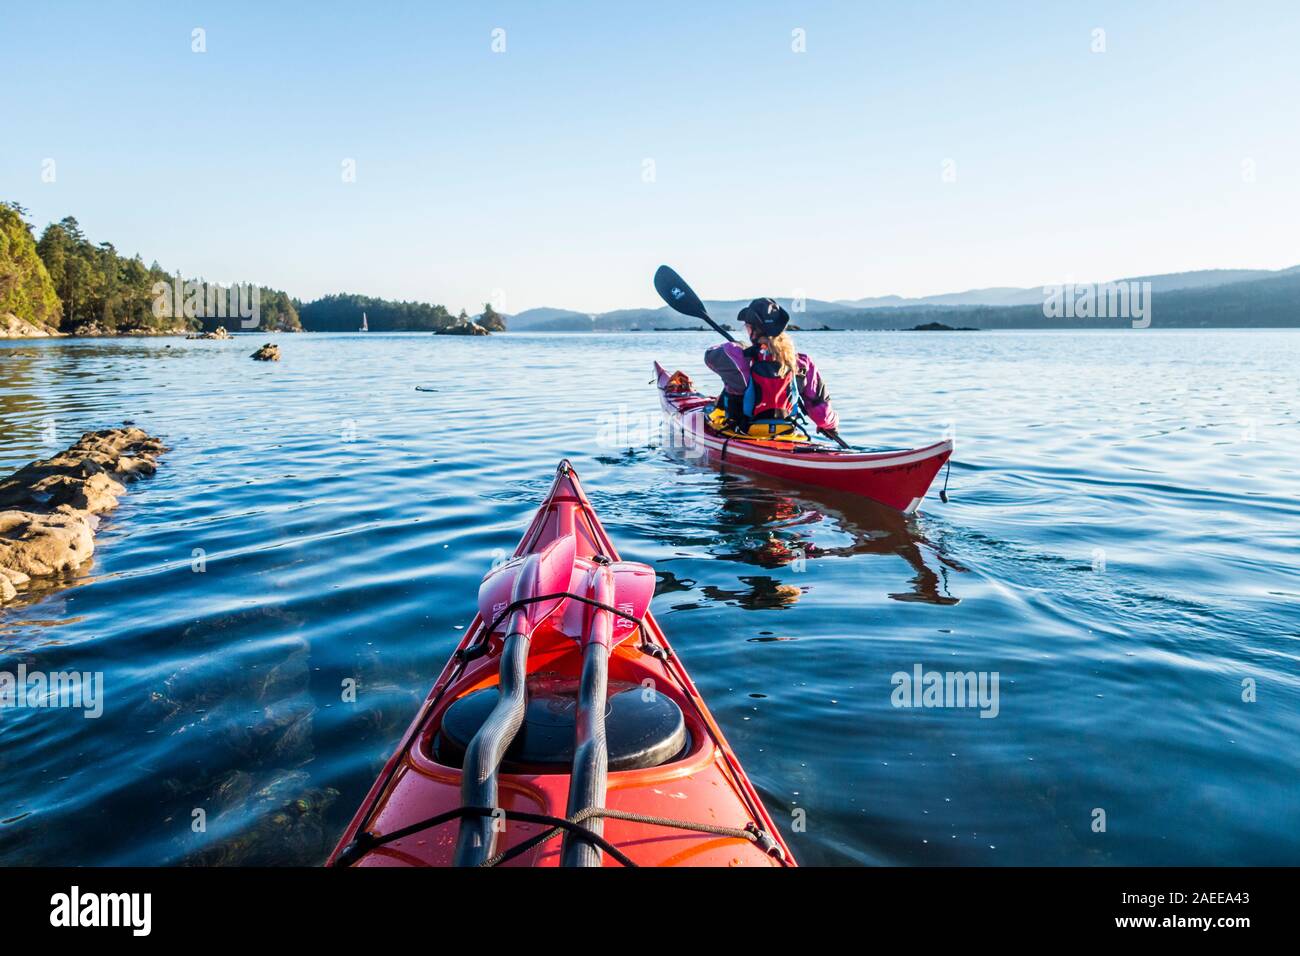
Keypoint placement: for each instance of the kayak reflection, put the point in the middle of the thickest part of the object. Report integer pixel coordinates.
(777, 528)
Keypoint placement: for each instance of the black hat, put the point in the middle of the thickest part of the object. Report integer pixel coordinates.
(765, 314)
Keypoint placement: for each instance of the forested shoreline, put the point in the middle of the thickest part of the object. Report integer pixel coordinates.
(342, 312)
(64, 283)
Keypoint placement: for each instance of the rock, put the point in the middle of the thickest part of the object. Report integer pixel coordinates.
(464, 328)
(48, 508)
(11, 579)
(220, 333)
(44, 545)
(12, 327)
(281, 822)
(95, 495)
(232, 789)
(268, 353)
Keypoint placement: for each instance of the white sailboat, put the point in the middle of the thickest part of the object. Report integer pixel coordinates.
(365, 326)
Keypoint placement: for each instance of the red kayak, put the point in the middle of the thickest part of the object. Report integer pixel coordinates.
(898, 479)
(564, 730)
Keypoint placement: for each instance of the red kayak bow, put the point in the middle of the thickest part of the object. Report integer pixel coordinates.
(512, 748)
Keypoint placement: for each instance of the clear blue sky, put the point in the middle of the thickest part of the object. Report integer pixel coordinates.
(775, 171)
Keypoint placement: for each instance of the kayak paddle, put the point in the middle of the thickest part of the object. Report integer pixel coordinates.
(673, 289)
(517, 585)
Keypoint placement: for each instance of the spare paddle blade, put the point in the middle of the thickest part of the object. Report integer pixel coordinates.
(521, 581)
(634, 586)
(673, 289)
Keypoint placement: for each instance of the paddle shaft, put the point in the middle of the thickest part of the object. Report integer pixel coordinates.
(836, 435)
(721, 331)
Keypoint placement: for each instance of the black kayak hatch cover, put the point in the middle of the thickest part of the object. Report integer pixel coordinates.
(642, 730)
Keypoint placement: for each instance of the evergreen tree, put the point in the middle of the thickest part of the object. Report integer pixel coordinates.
(491, 319)
(26, 288)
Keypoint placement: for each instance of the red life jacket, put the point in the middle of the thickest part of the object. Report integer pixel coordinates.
(770, 394)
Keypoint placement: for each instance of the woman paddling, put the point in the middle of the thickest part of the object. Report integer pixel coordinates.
(769, 380)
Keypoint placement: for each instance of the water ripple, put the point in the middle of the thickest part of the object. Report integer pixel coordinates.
(1120, 548)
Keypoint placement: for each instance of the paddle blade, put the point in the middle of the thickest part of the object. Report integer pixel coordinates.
(634, 586)
(548, 571)
(673, 289)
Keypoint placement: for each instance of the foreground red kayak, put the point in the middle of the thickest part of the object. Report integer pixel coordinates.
(564, 730)
(898, 479)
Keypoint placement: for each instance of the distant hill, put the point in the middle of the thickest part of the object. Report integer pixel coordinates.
(625, 320)
(1272, 302)
(1034, 295)
(1207, 298)
(531, 320)
(628, 320)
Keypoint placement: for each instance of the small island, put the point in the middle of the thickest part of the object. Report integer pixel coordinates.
(939, 327)
(464, 328)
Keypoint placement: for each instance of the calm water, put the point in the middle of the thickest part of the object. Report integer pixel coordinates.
(1122, 548)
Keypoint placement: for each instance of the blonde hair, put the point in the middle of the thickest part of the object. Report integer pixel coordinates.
(782, 348)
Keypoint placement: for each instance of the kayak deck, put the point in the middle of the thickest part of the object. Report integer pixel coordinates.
(898, 479)
(702, 783)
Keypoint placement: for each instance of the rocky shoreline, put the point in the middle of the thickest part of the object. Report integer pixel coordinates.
(49, 509)
(12, 327)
